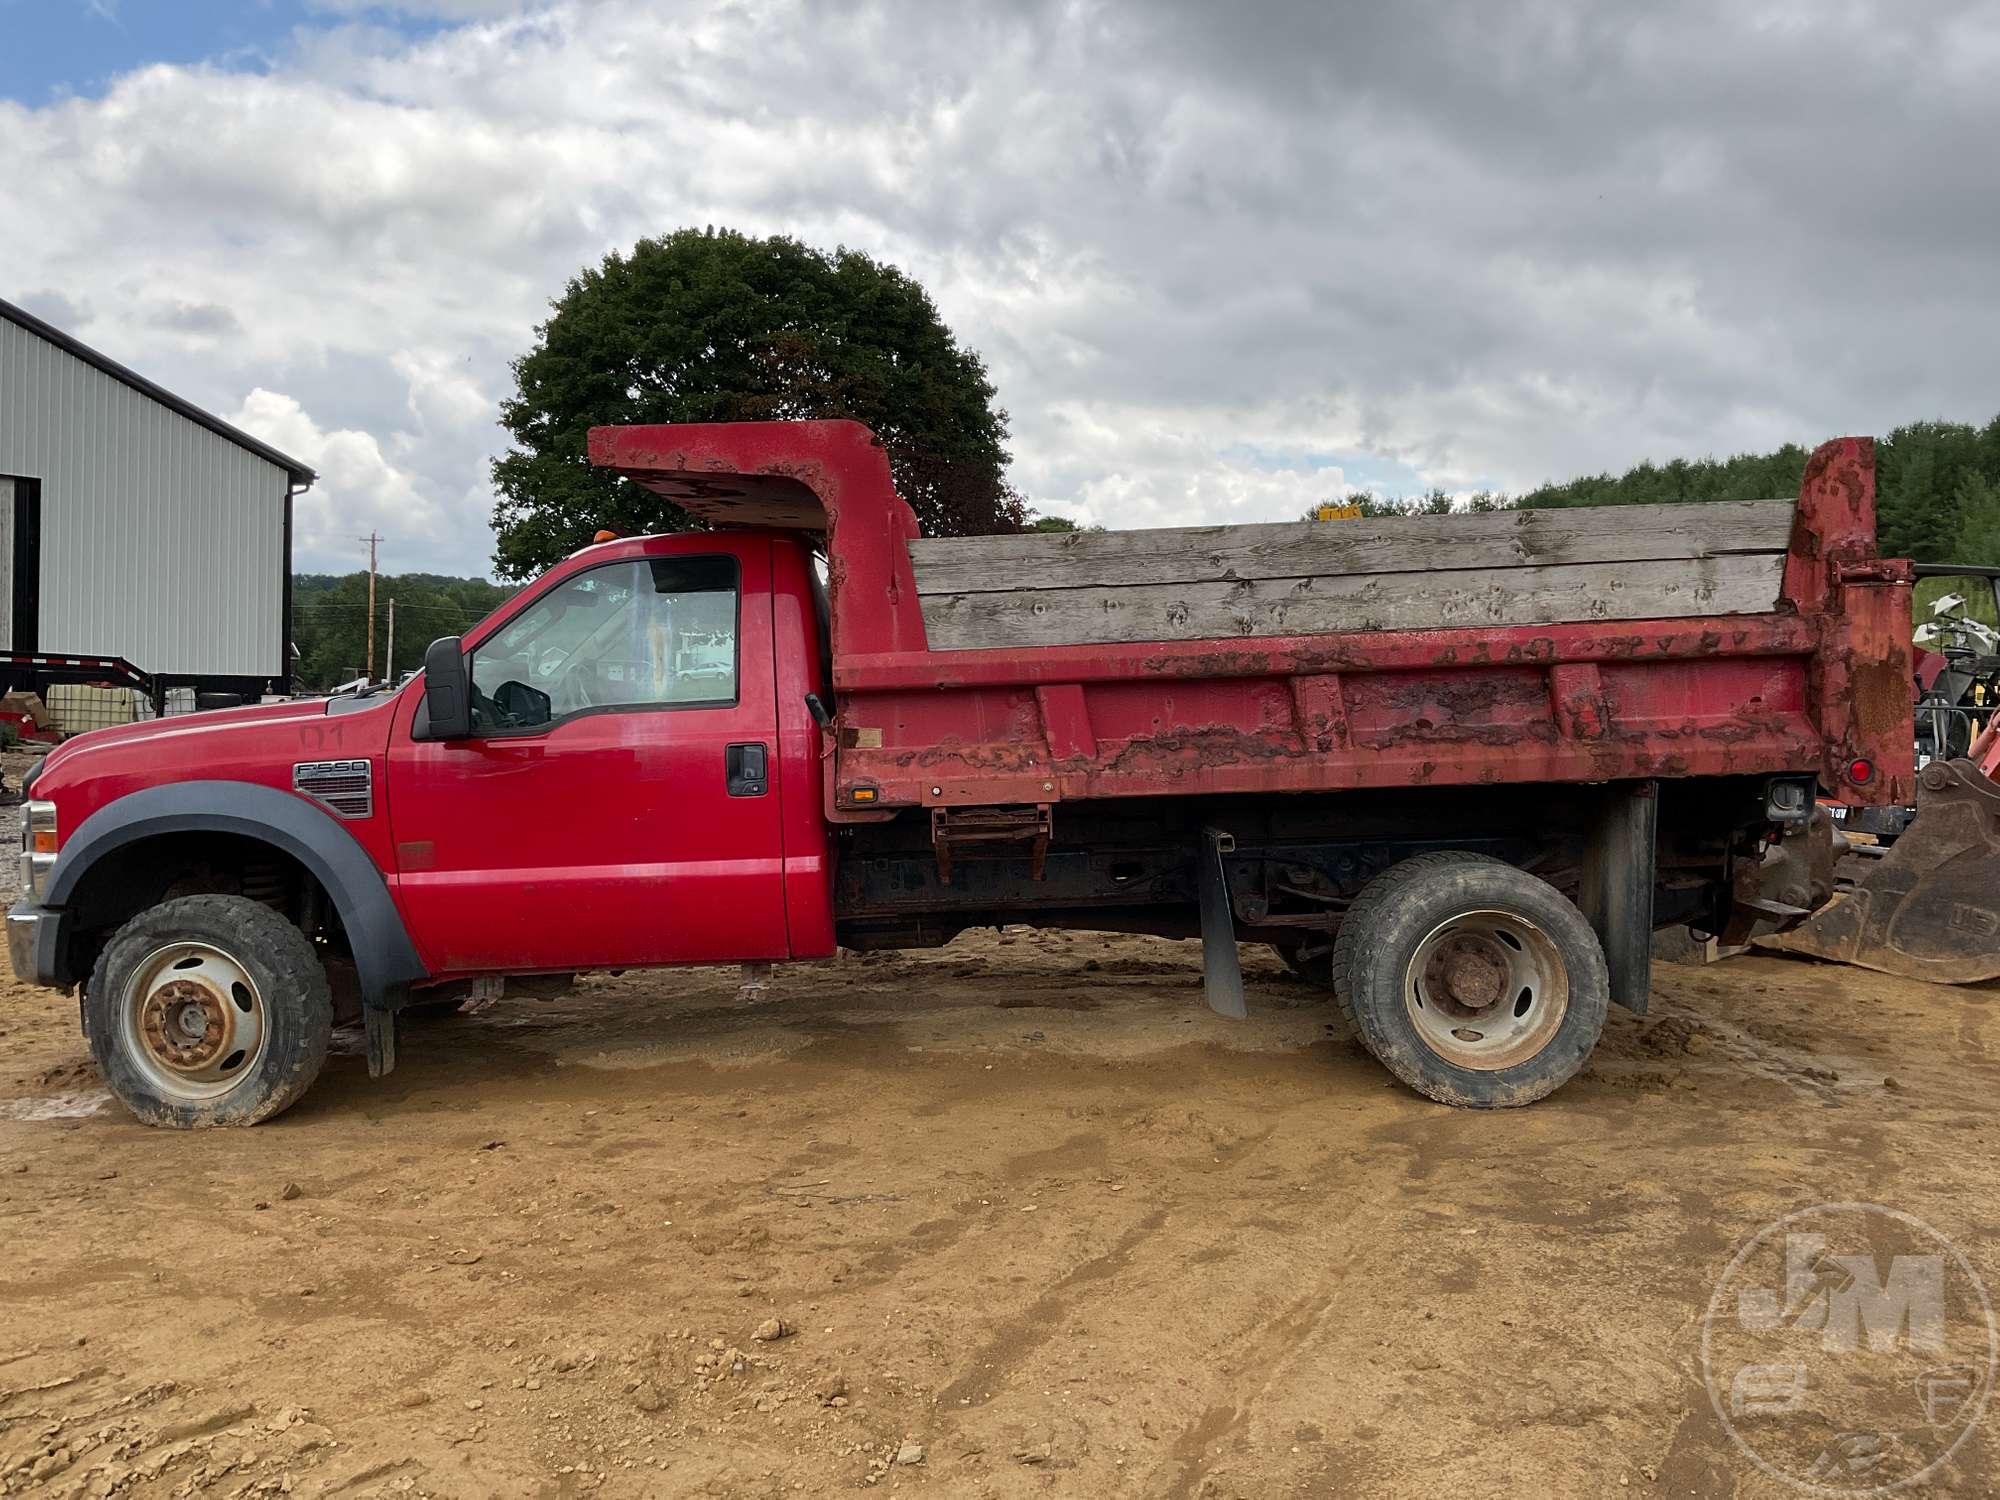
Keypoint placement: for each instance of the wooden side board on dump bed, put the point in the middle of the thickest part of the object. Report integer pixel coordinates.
(1527, 567)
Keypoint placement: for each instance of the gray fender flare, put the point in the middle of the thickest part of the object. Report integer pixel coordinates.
(384, 957)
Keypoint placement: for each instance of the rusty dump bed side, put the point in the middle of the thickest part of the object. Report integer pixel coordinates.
(1815, 678)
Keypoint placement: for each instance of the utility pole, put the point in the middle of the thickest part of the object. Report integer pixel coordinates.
(389, 651)
(371, 539)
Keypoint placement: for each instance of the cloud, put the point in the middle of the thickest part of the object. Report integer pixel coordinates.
(209, 319)
(444, 396)
(446, 10)
(1214, 256)
(52, 306)
(358, 489)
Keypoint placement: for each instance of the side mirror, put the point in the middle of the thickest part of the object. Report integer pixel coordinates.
(447, 691)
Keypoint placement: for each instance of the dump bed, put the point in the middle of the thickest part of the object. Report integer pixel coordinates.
(1578, 645)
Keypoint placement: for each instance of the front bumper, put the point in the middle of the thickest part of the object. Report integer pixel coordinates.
(32, 937)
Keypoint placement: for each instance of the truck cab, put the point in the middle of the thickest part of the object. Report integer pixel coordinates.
(635, 782)
(617, 793)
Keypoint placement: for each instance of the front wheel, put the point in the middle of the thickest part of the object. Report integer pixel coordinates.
(1475, 983)
(208, 1010)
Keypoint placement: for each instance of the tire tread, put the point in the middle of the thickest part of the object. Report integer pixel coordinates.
(258, 935)
(1365, 933)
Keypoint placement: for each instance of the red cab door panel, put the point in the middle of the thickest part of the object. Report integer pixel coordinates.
(607, 810)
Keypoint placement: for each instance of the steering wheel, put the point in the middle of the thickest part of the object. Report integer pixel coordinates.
(518, 706)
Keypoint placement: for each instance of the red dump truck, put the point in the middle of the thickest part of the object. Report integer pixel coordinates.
(1456, 767)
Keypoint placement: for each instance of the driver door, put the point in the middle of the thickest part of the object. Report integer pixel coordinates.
(600, 815)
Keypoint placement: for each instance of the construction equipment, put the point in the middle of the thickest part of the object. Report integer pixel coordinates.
(1958, 667)
(1956, 691)
(1929, 906)
(1916, 891)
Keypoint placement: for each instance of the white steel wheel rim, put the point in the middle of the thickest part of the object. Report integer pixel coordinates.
(193, 1021)
(1486, 990)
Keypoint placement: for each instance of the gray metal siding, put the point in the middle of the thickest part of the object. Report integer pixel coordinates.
(162, 542)
(7, 564)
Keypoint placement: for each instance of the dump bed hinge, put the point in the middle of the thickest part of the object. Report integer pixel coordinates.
(990, 833)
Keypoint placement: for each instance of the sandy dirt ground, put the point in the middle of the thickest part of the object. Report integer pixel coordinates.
(1027, 1219)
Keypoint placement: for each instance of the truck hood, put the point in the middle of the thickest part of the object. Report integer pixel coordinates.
(257, 743)
(209, 721)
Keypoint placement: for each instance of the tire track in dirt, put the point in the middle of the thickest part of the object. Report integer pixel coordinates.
(1012, 1340)
(1274, 1345)
(1189, 1454)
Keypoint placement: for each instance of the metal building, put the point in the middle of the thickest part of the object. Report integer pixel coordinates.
(141, 539)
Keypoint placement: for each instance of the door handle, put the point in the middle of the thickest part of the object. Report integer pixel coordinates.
(746, 768)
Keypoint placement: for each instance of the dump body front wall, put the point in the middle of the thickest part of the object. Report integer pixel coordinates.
(1802, 688)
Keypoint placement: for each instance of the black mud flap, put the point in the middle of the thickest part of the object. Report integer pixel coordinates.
(1221, 971)
(379, 1023)
(1616, 892)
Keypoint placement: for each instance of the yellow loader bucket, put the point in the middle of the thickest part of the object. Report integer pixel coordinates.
(1930, 907)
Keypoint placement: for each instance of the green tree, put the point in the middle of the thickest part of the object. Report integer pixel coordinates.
(1432, 502)
(1058, 524)
(1920, 472)
(1978, 521)
(330, 621)
(715, 326)
(1746, 476)
(1978, 542)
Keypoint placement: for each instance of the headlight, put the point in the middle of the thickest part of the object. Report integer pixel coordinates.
(38, 847)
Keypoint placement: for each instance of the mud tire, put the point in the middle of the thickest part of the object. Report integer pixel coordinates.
(297, 1009)
(1391, 920)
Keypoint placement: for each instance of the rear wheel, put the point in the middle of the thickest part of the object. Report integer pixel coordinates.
(1475, 983)
(208, 1010)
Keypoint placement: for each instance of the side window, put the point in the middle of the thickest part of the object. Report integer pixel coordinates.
(653, 633)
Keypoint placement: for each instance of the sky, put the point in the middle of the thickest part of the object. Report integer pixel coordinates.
(1221, 260)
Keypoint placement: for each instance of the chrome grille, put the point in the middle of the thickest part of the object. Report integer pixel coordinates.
(346, 787)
